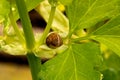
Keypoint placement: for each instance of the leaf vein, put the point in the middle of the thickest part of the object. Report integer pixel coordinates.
(89, 9)
(63, 63)
(74, 65)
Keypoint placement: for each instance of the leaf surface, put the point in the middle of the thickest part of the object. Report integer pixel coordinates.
(112, 66)
(4, 9)
(109, 34)
(110, 28)
(86, 13)
(112, 43)
(76, 63)
(65, 2)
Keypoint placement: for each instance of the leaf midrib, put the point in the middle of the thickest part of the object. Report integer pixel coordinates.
(90, 7)
(74, 61)
(72, 53)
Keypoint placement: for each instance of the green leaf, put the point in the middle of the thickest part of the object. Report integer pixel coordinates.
(112, 63)
(112, 43)
(31, 4)
(85, 13)
(110, 74)
(111, 28)
(109, 34)
(65, 2)
(76, 63)
(4, 9)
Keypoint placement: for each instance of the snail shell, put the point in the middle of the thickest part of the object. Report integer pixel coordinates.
(54, 40)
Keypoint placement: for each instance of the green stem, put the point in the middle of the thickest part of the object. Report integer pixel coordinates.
(16, 28)
(27, 27)
(34, 62)
(47, 29)
(35, 65)
(82, 38)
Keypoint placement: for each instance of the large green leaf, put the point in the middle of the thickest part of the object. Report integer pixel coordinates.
(109, 34)
(85, 13)
(76, 63)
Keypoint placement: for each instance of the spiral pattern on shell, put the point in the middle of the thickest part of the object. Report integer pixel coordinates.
(54, 40)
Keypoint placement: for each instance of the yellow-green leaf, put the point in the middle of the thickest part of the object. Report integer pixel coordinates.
(76, 63)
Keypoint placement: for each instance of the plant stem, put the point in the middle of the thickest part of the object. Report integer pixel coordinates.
(35, 65)
(81, 38)
(16, 28)
(27, 27)
(47, 29)
(34, 62)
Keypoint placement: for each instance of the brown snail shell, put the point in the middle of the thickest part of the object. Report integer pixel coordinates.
(54, 40)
